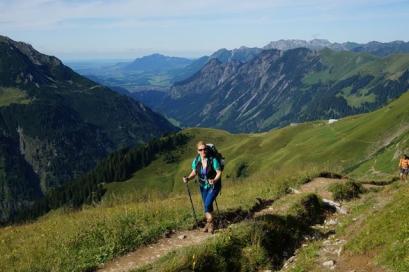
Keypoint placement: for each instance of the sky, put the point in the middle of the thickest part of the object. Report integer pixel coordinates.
(125, 29)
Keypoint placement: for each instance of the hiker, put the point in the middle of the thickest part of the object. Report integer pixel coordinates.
(404, 167)
(209, 172)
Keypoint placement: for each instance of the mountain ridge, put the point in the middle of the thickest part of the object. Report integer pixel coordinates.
(281, 87)
(55, 124)
(381, 49)
(165, 76)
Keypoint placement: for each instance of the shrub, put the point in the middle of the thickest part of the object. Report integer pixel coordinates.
(308, 209)
(346, 191)
(242, 170)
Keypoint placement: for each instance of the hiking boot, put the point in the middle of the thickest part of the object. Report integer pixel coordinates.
(210, 227)
(206, 228)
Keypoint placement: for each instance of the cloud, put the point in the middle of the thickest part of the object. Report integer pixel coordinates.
(37, 14)
(75, 25)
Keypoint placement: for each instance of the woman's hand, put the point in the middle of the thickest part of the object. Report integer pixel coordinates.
(191, 175)
(216, 178)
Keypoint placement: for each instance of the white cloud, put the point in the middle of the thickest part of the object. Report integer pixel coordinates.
(53, 14)
(110, 25)
(34, 14)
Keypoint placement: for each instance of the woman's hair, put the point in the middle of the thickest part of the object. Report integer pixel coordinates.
(200, 143)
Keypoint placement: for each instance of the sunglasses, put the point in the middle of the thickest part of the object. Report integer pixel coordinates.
(201, 149)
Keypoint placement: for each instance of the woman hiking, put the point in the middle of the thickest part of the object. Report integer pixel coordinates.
(209, 174)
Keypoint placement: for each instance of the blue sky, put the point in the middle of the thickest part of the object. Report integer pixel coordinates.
(93, 29)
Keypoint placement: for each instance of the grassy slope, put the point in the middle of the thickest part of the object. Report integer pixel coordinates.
(78, 240)
(252, 245)
(366, 145)
(376, 227)
(12, 95)
(385, 232)
(343, 65)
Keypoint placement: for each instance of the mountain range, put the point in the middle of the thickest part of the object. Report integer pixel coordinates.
(277, 88)
(373, 47)
(158, 72)
(55, 124)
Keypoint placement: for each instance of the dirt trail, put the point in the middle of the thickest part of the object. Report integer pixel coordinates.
(319, 186)
(148, 254)
(331, 255)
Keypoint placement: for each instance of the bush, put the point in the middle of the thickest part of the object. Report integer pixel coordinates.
(330, 175)
(346, 191)
(254, 256)
(242, 170)
(308, 210)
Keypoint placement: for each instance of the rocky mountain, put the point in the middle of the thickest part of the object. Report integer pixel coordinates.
(383, 49)
(315, 44)
(374, 47)
(277, 88)
(242, 54)
(152, 96)
(56, 124)
(158, 73)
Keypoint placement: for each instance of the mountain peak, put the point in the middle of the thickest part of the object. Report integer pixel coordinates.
(47, 109)
(296, 43)
(27, 49)
(154, 55)
(156, 63)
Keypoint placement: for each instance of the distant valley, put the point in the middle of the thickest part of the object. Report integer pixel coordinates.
(256, 89)
(160, 72)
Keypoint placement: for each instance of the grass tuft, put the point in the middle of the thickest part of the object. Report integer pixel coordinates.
(346, 191)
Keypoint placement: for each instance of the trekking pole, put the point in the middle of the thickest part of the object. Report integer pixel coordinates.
(191, 202)
(217, 207)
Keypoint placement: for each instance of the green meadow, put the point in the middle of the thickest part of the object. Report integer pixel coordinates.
(12, 95)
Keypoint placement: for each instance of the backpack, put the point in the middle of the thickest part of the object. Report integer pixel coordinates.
(213, 153)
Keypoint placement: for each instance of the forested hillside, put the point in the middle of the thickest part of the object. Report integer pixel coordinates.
(55, 124)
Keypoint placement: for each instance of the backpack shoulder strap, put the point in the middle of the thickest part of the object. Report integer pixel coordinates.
(198, 164)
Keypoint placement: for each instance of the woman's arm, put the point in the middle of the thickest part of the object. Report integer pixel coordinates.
(191, 175)
(216, 178)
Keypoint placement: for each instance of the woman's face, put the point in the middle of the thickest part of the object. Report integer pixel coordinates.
(201, 149)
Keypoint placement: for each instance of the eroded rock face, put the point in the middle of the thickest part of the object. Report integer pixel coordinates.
(236, 96)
